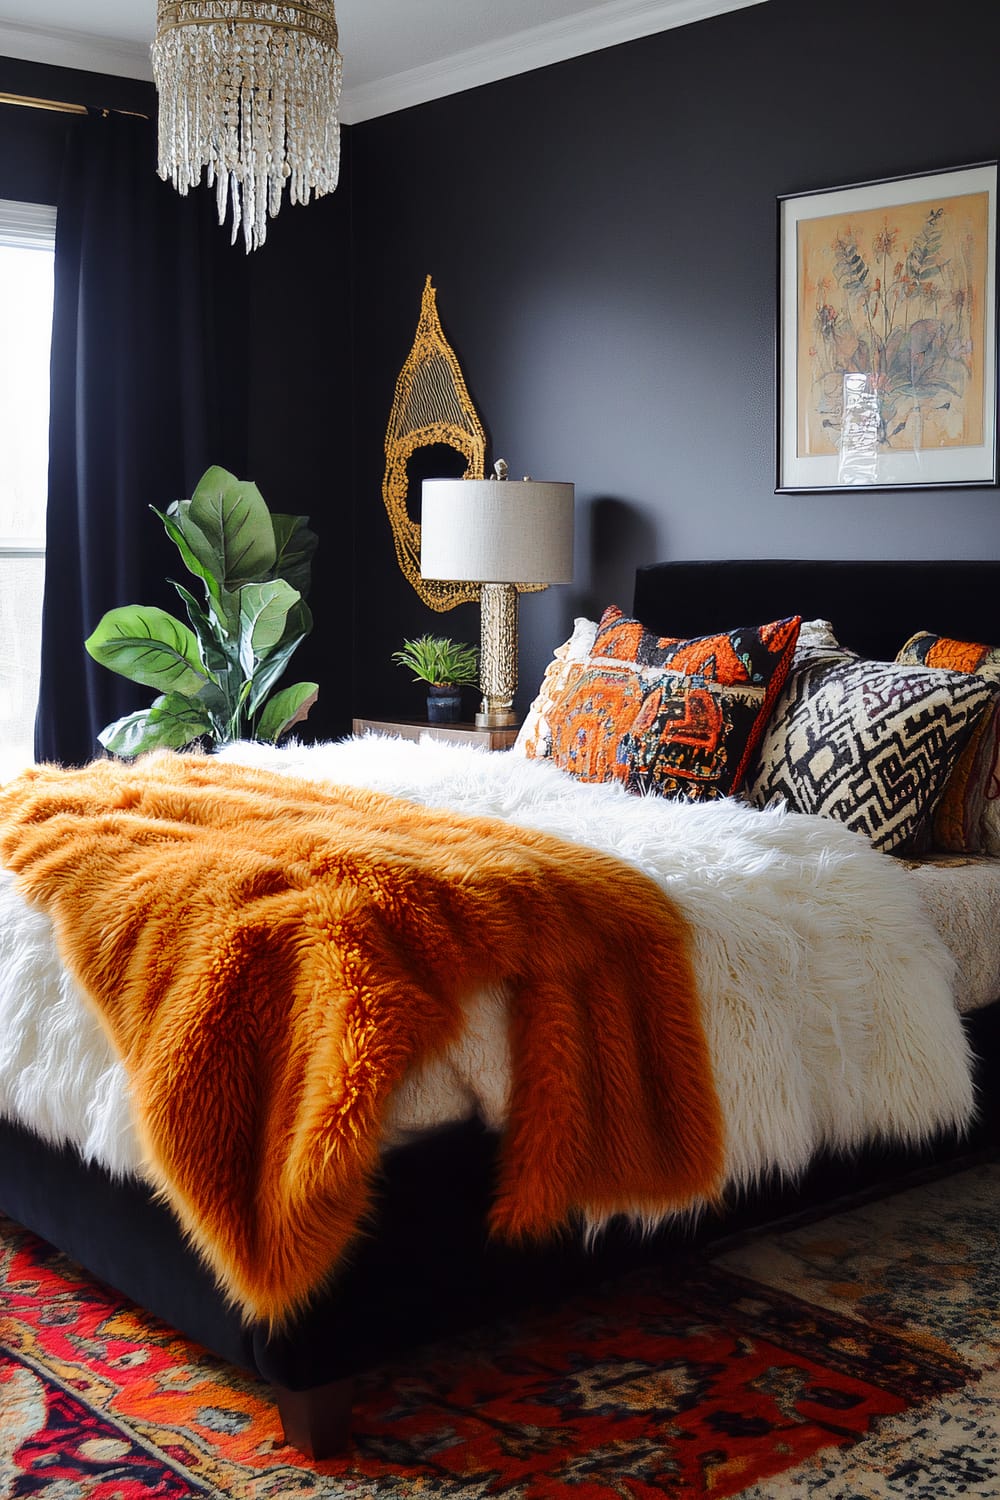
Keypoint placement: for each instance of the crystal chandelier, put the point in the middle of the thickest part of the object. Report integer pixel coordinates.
(250, 92)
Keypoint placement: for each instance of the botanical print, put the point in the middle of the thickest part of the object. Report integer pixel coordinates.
(891, 306)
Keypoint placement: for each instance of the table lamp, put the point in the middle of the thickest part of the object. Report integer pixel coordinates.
(499, 533)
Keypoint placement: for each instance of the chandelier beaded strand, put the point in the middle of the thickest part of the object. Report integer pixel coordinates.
(249, 92)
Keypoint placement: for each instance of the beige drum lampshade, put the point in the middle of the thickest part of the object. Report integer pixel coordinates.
(497, 531)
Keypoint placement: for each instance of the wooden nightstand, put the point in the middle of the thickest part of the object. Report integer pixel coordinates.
(455, 734)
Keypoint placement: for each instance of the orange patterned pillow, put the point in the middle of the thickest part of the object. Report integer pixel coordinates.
(967, 819)
(661, 714)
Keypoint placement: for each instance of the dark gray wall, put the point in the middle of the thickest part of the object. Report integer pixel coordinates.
(602, 235)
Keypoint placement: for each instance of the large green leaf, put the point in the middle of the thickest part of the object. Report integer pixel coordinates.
(236, 523)
(298, 624)
(171, 723)
(294, 547)
(147, 645)
(192, 544)
(226, 615)
(268, 672)
(286, 708)
(263, 610)
(215, 703)
(210, 649)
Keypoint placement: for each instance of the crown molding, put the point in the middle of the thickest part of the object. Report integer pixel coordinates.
(599, 27)
(75, 49)
(592, 30)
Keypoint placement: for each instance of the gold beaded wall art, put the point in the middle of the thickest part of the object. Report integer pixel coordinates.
(431, 406)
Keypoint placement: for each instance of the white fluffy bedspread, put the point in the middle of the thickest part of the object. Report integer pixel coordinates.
(827, 995)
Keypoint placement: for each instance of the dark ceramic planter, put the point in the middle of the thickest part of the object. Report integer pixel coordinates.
(444, 704)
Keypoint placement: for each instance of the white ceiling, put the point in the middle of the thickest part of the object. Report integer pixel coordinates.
(396, 52)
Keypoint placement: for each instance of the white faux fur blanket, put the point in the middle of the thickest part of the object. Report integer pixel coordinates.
(827, 994)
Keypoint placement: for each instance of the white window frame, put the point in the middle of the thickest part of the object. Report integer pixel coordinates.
(29, 226)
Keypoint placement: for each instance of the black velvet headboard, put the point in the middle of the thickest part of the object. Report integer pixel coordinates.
(874, 607)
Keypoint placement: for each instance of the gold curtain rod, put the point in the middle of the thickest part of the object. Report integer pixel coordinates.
(60, 106)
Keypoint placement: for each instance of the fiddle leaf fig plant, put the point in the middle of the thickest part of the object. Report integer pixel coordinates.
(216, 675)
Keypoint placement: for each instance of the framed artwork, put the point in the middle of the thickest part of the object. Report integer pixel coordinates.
(887, 334)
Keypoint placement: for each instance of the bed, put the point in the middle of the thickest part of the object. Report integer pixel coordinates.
(425, 1263)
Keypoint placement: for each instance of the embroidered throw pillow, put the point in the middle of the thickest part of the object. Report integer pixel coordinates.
(967, 818)
(678, 718)
(868, 743)
(534, 738)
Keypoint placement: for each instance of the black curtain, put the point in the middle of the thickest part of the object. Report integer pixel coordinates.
(148, 390)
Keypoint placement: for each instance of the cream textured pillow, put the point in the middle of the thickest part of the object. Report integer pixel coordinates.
(818, 634)
(534, 738)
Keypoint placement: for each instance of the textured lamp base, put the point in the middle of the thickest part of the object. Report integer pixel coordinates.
(498, 655)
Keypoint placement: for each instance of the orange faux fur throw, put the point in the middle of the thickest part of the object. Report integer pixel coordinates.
(271, 956)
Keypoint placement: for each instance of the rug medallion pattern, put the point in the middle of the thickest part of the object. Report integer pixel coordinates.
(855, 1356)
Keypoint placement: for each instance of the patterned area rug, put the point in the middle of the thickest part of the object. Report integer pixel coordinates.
(856, 1356)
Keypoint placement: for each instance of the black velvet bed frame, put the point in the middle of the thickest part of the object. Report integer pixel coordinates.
(425, 1267)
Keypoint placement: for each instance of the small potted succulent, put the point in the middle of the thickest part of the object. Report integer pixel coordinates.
(446, 666)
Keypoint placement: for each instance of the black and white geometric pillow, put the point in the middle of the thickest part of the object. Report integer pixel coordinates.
(867, 743)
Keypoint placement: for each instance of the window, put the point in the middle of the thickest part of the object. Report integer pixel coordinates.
(27, 253)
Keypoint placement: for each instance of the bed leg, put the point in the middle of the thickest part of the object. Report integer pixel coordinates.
(317, 1421)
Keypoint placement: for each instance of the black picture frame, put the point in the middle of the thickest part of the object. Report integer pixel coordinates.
(886, 334)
